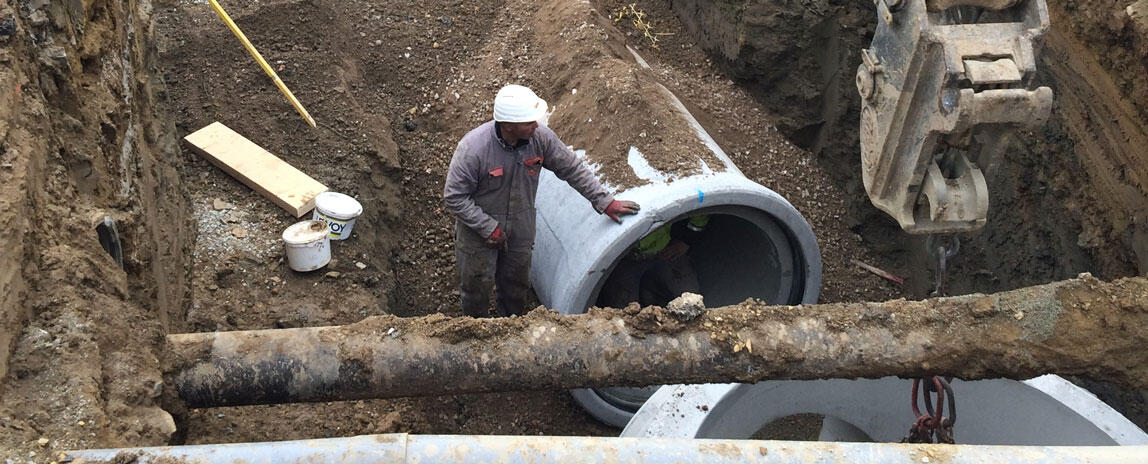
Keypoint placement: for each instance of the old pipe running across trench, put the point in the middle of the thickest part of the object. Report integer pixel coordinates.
(1079, 327)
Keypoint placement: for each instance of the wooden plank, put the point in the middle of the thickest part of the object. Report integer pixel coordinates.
(257, 168)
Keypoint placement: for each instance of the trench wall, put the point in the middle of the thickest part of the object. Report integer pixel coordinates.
(83, 136)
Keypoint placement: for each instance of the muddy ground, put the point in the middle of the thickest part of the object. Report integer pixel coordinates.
(393, 86)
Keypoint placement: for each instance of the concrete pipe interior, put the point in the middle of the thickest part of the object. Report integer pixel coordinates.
(744, 253)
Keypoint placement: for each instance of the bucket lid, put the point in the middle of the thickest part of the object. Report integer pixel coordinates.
(337, 205)
(306, 232)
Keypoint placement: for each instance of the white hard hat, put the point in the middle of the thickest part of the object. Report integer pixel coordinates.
(515, 103)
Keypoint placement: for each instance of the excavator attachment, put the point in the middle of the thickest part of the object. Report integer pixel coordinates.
(943, 85)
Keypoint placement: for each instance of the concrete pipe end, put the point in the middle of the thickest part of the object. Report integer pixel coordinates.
(756, 245)
(1045, 411)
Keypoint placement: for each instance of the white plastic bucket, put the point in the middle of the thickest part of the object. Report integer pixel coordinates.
(339, 211)
(308, 245)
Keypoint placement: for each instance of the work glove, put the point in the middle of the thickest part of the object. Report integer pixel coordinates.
(497, 239)
(618, 208)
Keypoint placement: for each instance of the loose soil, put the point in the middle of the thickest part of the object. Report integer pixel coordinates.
(394, 85)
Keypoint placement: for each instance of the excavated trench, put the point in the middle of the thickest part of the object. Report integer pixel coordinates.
(95, 97)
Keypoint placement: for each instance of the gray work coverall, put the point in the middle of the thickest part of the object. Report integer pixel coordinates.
(648, 281)
(490, 184)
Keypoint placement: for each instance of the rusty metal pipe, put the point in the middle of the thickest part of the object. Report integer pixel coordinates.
(1077, 327)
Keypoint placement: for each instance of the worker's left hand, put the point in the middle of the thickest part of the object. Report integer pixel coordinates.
(498, 239)
(618, 208)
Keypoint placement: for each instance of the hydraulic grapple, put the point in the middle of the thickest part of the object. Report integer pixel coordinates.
(943, 86)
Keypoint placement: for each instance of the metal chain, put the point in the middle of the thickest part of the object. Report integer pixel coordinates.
(942, 253)
(934, 425)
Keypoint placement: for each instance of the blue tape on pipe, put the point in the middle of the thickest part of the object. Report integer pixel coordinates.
(701, 196)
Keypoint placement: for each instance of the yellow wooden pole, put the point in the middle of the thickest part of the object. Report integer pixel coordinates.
(262, 63)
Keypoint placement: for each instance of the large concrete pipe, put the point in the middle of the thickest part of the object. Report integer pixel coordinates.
(755, 246)
(1047, 410)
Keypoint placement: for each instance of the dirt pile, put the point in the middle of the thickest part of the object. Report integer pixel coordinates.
(83, 136)
(797, 57)
(600, 87)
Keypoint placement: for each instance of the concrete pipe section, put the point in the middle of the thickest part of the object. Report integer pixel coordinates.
(756, 245)
(1044, 411)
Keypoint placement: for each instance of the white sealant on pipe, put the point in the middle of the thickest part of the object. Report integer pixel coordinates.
(339, 211)
(308, 245)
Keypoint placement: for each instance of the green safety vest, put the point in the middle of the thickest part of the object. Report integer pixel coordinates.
(658, 239)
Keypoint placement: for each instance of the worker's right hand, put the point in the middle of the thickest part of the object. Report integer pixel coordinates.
(618, 208)
(497, 239)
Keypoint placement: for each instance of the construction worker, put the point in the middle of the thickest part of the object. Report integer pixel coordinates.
(658, 268)
(490, 189)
